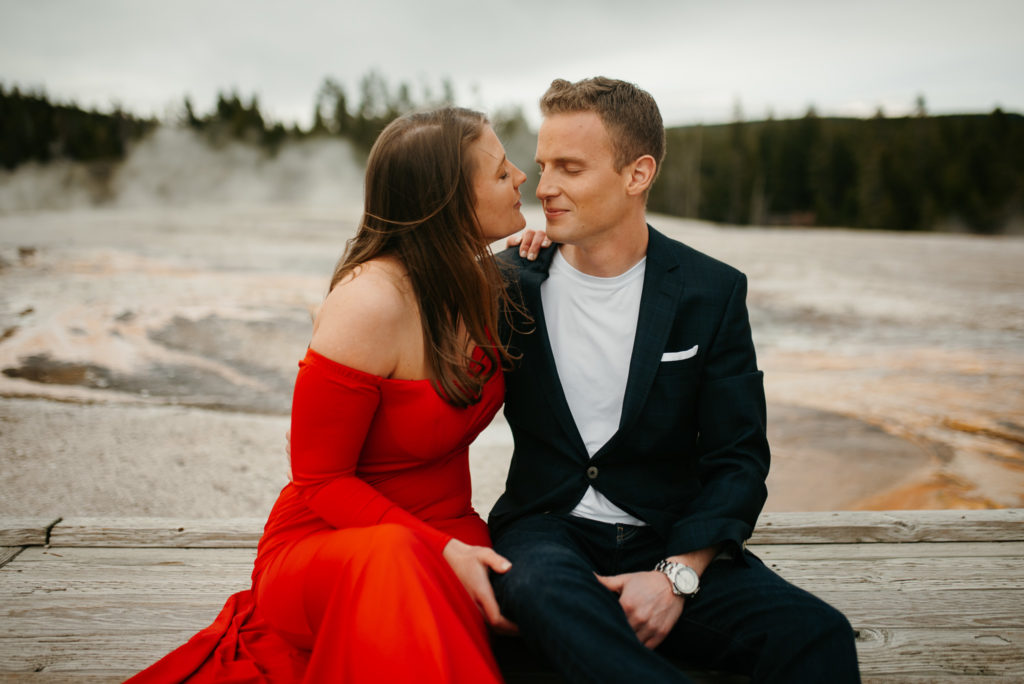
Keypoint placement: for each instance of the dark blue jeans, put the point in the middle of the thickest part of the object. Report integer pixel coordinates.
(745, 619)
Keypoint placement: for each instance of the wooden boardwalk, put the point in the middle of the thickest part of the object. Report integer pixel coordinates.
(935, 596)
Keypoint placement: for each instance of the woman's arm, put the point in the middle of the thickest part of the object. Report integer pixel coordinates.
(362, 334)
(368, 329)
(332, 409)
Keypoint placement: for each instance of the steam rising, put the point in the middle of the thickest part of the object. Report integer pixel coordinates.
(177, 167)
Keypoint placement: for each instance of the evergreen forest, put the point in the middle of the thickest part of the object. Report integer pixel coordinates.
(961, 172)
(920, 172)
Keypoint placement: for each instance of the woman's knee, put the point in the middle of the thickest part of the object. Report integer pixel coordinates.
(357, 547)
(392, 538)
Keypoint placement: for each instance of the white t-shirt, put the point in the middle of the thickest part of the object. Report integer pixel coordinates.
(591, 322)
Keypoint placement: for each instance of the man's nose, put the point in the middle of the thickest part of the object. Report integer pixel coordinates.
(545, 188)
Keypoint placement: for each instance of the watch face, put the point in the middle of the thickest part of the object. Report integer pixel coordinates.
(686, 580)
(683, 578)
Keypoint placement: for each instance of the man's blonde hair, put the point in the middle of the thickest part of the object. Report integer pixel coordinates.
(630, 114)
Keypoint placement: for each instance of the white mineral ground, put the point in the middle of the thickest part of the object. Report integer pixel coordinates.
(147, 355)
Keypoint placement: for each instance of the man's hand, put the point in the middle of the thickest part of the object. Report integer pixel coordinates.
(470, 564)
(530, 242)
(650, 606)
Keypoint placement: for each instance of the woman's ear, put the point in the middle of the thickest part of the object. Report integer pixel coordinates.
(641, 175)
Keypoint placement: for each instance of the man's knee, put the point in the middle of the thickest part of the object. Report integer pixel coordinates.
(825, 642)
(815, 626)
(540, 577)
(535, 570)
(833, 626)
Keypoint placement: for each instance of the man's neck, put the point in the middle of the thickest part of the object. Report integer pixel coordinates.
(609, 255)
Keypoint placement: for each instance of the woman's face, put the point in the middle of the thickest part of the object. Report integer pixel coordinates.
(496, 183)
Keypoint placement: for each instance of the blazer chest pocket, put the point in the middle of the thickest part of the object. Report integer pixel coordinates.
(678, 362)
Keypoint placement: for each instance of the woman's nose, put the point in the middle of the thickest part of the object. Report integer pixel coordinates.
(519, 176)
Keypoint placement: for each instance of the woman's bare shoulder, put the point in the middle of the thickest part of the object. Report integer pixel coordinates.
(364, 321)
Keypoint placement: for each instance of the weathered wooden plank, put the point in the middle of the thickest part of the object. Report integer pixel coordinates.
(25, 531)
(773, 528)
(124, 557)
(165, 532)
(768, 552)
(221, 580)
(924, 613)
(49, 617)
(939, 653)
(75, 570)
(890, 526)
(905, 574)
(63, 677)
(889, 654)
(170, 585)
(175, 572)
(931, 679)
(87, 655)
(153, 555)
(929, 610)
(179, 587)
(8, 553)
(134, 607)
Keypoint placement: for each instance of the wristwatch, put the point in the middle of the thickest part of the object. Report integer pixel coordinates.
(684, 579)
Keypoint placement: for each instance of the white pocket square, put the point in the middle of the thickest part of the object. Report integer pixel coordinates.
(679, 355)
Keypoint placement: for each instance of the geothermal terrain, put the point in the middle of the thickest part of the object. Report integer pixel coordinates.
(148, 347)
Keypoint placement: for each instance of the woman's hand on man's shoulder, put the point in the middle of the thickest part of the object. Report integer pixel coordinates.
(530, 242)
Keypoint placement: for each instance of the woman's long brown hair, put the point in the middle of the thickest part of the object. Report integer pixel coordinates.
(419, 209)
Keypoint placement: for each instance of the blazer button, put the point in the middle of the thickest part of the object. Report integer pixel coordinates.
(592, 472)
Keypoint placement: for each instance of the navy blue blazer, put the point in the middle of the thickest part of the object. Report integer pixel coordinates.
(690, 456)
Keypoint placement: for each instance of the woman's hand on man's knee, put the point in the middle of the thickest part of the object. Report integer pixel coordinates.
(470, 564)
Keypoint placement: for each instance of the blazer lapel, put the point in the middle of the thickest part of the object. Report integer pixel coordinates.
(537, 348)
(663, 285)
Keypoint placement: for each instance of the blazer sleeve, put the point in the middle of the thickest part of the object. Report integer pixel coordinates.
(332, 409)
(732, 446)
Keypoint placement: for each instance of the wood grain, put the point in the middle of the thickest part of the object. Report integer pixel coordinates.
(25, 531)
(935, 596)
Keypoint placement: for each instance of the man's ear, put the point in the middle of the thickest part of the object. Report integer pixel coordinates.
(641, 175)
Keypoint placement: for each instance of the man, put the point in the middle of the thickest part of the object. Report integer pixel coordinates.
(638, 415)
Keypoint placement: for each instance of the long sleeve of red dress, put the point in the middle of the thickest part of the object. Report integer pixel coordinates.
(349, 582)
(332, 410)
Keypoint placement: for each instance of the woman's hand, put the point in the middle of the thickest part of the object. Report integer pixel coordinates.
(530, 242)
(470, 564)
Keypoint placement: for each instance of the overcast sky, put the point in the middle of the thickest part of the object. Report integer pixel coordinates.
(698, 59)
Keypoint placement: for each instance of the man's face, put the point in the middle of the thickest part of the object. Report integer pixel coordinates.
(583, 195)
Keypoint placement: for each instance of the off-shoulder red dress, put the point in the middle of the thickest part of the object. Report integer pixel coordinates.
(349, 582)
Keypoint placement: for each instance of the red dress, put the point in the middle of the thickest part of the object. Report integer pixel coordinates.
(349, 582)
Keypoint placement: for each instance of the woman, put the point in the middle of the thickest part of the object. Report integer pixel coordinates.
(373, 564)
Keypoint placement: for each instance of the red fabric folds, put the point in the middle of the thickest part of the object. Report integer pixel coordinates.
(349, 582)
